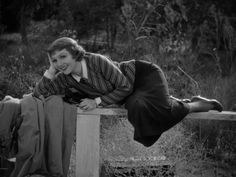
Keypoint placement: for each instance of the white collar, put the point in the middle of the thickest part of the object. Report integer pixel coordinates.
(84, 70)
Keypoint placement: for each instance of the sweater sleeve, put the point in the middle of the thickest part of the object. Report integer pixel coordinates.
(122, 87)
(47, 87)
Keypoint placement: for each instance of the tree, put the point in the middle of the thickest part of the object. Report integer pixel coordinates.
(18, 13)
(25, 14)
(152, 20)
(93, 16)
(1, 25)
(27, 8)
(213, 32)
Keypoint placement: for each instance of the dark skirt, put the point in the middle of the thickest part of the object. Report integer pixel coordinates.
(151, 111)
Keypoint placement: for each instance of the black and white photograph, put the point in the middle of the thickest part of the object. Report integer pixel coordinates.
(117, 88)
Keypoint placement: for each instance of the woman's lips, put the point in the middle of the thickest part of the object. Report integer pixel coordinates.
(63, 68)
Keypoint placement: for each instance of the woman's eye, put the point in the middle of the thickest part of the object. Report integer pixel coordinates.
(63, 56)
(54, 61)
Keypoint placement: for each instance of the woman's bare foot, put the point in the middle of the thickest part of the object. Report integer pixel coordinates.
(205, 104)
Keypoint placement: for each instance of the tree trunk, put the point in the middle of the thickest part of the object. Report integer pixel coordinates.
(108, 32)
(23, 25)
(111, 31)
(113, 34)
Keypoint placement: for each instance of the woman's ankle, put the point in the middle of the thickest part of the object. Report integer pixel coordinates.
(200, 106)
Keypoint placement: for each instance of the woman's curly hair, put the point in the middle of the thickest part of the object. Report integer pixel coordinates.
(70, 45)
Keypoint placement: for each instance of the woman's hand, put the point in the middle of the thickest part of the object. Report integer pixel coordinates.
(87, 104)
(52, 70)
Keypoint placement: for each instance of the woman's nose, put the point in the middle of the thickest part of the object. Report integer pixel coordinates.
(59, 63)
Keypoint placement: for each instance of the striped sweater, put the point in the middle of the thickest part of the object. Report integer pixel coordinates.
(111, 81)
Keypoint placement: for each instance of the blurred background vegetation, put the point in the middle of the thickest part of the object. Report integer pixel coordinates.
(193, 41)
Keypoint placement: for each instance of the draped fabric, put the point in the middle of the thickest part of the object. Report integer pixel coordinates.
(45, 137)
(9, 123)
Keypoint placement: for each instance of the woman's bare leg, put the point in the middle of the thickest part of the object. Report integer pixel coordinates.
(200, 106)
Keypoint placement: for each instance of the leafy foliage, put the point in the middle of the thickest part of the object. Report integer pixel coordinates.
(152, 20)
(14, 79)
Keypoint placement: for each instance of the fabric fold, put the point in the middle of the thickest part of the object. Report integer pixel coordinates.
(45, 137)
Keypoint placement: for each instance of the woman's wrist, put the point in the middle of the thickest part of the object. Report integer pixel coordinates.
(98, 100)
(50, 73)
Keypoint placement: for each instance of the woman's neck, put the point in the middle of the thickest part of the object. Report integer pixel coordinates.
(78, 70)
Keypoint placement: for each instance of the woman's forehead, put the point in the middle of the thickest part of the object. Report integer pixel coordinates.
(58, 52)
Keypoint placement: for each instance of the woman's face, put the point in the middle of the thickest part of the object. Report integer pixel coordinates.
(63, 61)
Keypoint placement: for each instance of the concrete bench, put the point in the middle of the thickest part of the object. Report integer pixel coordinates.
(88, 134)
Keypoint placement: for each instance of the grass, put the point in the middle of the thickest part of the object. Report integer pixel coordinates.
(180, 147)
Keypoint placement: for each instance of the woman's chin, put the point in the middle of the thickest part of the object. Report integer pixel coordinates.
(66, 72)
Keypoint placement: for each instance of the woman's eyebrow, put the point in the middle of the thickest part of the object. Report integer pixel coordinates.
(63, 53)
